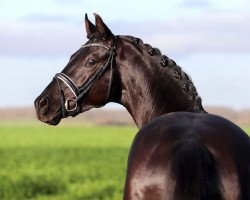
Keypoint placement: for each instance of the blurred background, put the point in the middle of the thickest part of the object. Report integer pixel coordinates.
(209, 39)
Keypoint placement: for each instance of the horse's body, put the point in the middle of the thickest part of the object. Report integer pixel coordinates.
(189, 156)
(185, 155)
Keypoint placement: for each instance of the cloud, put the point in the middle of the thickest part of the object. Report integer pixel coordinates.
(49, 36)
(217, 32)
(77, 2)
(40, 39)
(197, 4)
(48, 18)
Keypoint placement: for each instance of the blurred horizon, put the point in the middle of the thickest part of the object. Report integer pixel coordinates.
(207, 38)
(109, 117)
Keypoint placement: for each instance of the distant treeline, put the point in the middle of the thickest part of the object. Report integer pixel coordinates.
(115, 117)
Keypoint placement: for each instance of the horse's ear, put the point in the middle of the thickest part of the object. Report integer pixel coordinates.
(102, 28)
(90, 28)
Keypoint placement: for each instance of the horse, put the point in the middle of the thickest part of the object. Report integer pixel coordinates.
(180, 152)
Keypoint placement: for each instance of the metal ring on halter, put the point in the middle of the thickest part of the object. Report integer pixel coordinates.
(67, 105)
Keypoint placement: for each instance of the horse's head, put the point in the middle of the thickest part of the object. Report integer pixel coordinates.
(120, 69)
(86, 80)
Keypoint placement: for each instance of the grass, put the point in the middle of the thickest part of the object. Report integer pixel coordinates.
(41, 162)
(247, 130)
(64, 162)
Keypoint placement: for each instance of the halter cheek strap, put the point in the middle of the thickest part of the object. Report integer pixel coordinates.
(79, 93)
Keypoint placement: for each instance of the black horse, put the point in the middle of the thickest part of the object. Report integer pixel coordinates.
(181, 152)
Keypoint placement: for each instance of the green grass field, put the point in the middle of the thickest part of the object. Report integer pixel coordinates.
(64, 162)
(42, 162)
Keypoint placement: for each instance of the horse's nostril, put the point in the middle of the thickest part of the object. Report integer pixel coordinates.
(44, 104)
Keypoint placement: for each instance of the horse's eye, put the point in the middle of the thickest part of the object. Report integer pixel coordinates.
(92, 61)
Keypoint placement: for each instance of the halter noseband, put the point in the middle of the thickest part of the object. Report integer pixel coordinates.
(80, 92)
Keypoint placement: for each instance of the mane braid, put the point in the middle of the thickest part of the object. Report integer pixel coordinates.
(189, 88)
(178, 74)
(186, 85)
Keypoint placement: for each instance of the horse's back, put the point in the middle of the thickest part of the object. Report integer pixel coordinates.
(182, 147)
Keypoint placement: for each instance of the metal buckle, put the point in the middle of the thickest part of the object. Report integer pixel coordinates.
(67, 105)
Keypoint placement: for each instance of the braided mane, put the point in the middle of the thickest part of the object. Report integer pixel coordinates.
(183, 79)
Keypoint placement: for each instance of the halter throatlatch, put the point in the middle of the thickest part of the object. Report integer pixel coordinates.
(80, 92)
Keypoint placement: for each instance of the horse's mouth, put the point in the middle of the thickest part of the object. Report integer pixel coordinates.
(56, 118)
(54, 121)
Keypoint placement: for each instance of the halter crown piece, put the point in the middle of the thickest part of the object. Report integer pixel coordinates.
(79, 93)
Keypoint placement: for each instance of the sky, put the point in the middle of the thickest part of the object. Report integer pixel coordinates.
(209, 39)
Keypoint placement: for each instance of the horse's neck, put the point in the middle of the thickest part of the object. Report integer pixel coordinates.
(149, 91)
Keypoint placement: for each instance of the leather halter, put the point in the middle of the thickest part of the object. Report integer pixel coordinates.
(80, 92)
